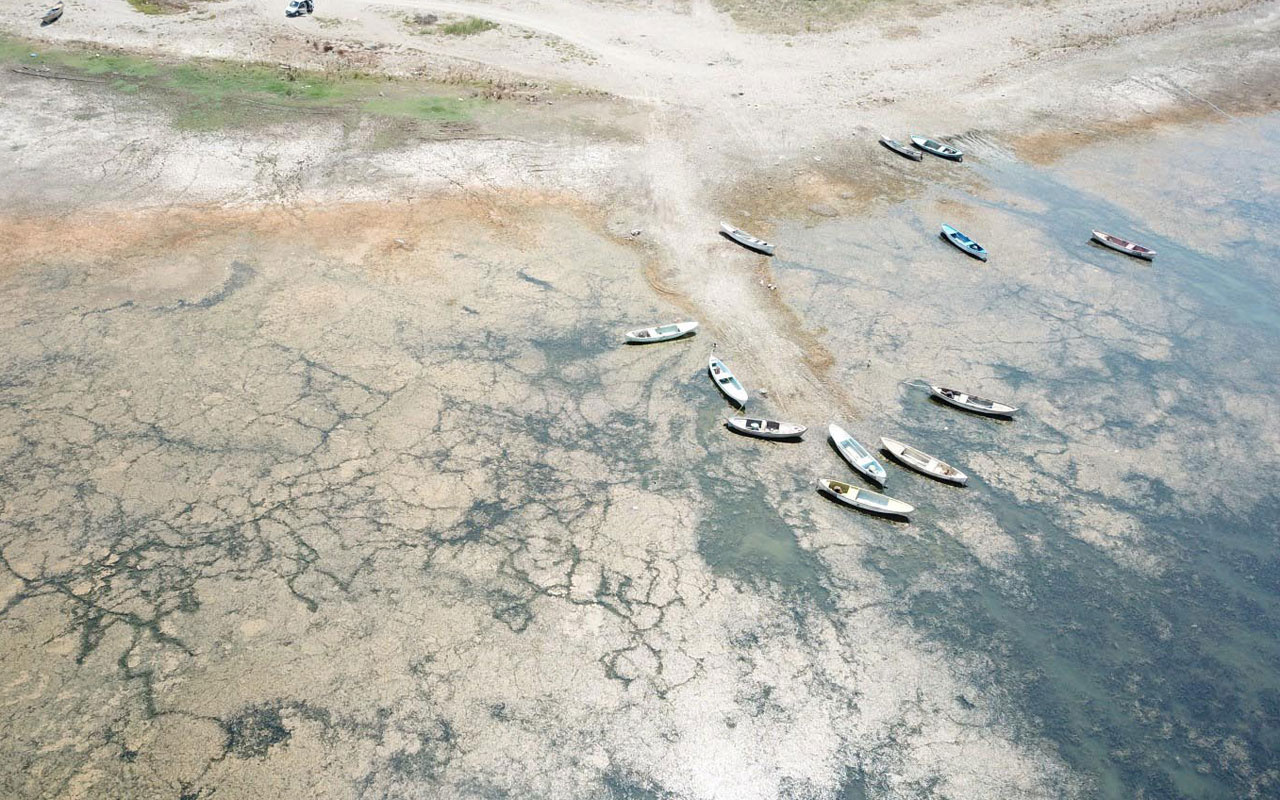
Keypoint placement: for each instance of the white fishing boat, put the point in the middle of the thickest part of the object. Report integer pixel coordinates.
(1124, 246)
(964, 243)
(726, 382)
(745, 239)
(922, 462)
(859, 457)
(662, 333)
(901, 149)
(970, 402)
(766, 428)
(937, 148)
(862, 499)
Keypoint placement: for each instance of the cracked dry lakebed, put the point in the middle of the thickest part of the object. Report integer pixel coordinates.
(370, 500)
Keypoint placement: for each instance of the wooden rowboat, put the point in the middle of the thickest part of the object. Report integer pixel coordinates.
(862, 499)
(901, 149)
(1124, 246)
(766, 428)
(970, 402)
(726, 382)
(964, 243)
(661, 333)
(52, 15)
(934, 147)
(858, 456)
(922, 462)
(745, 239)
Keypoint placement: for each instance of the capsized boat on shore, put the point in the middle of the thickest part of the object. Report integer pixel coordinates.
(852, 451)
(766, 428)
(726, 382)
(862, 499)
(1124, 246)
(662, 333)
(52, 15)
(901, 149)
(964, 243)
(745, 239)
(971, 402)
(934, 147)
(922, 462)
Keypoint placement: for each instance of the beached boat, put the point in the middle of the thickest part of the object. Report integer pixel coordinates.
(1124, 245)
(766, 428)
(922, 462)
(970, 402)
(52, 15)
(745, 239)
(863, 499)
(901, 149)
(859, 457)
(934, 147)
(726, 382)
(662, 333)
(964, 243)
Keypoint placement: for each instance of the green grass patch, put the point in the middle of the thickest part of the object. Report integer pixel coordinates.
(210, 95)
(159, 6)
(426, 108)
(468, 27)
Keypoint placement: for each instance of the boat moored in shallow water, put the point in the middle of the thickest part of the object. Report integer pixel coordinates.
(863, 499)
(970, 402)
(766, 428)
(852, 451)
(922, 462)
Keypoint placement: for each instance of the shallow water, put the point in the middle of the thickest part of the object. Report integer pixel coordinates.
(1150, 660)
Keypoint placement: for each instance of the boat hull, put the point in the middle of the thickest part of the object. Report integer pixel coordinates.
(995, 410)
(901, 149)
(933, 467)
(765, 428)
(963, 243)
(863, 500)
(746, 240)
(938, 149)
(660, 333)
(726, 382)
(1118, 244)
(868, 468)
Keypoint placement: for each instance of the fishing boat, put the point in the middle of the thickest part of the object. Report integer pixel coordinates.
(862, 499)
(937, 148)
(662, 333)
(901, 149)
(963, 242)
(52, 15)
(1124, 245)
(923, 462)
(859, 458)
(971, 402)
(766, 428)
(745, 239)
(726, 382)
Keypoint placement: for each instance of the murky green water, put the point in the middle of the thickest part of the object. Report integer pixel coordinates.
(1159, 682)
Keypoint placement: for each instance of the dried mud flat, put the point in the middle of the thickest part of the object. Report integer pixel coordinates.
(325, 473)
